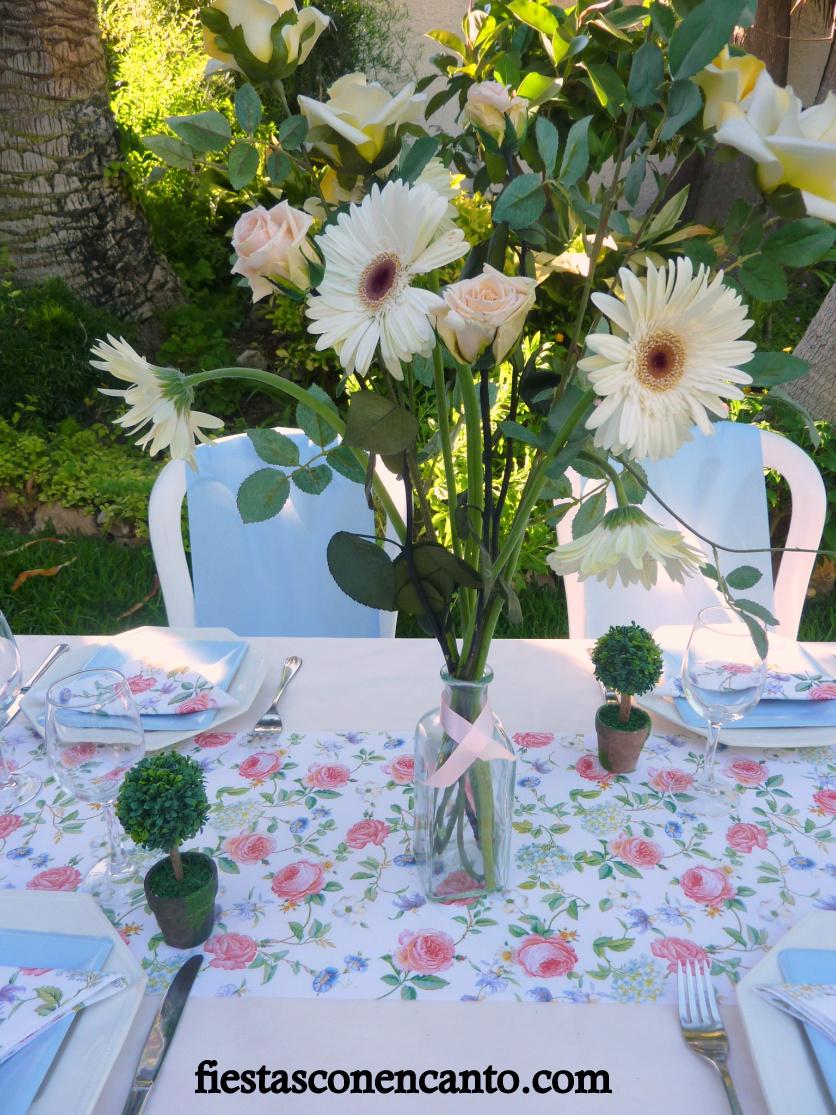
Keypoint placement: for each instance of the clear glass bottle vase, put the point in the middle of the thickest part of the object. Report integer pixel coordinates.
(462, 831)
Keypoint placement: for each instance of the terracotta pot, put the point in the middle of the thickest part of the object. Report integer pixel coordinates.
(185, 920)
(618, 749)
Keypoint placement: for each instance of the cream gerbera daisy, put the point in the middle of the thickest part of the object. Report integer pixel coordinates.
(628, 544)
(371, 255)
(159, 396)
(670, 361)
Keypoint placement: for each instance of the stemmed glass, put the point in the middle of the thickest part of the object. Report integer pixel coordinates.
(723, 676)
(16, 788)
(93, 735)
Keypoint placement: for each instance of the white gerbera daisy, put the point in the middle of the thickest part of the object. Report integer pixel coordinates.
(628, 544)
(371, 255)
(671, 359)
(159, 396)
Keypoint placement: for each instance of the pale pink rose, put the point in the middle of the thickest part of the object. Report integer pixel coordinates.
(297, 880)
(75, 756)
(249, 847)
(455, 883)
(332, 776)
(671, 781)
(487, 105)
(35, 971)
(744, 837)
(214, 739)
(427, 951)
(737, 668)
(198, 703)
(826, 800)
(367, 832)
(589, 767)
(140, 684)
(747, 772)
(637, 851)
(674, 949)
(231, 950)
(9, 822)
(546, 957)
(533, 740)
(55, 878)
(260, 765)
(401, 770)
(273, 243)
(486, 310)
(708, 885)
(824, 692)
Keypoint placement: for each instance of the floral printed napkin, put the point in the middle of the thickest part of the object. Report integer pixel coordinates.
(33, 998)
(163, 690)
(813, 1003)
(793, 673)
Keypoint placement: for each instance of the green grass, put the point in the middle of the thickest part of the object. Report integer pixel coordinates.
(106, 579)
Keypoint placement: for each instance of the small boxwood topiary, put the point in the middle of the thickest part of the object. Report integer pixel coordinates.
(628, 660)
(163, 802)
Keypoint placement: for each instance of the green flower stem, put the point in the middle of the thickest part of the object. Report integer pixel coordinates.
(615, 479)
(443, 407)
(480, 775)
(287, 387)
(475, 482)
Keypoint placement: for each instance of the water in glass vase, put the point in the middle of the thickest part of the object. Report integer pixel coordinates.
(464, 794)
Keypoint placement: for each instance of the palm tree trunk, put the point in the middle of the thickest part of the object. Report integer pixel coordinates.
(60, 214)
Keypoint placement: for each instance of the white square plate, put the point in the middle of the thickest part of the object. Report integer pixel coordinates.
(92, 1045)
(787, 1068)
(243, 688)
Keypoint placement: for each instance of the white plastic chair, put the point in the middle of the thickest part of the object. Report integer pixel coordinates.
(269, 578)
(716, 483)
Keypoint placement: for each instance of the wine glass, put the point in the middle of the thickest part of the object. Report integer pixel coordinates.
(93, 735)
(16, 788)
(723, 675)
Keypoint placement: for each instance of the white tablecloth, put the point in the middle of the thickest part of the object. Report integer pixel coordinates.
(370, 684)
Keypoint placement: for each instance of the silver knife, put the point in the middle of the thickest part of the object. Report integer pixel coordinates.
(14, 707)
(160, 1035)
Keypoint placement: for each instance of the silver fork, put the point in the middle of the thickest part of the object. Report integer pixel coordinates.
(701, 1025)
(270, 724)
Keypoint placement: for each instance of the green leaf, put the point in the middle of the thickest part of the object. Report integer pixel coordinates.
(535, 15)
(763, 279)
(608, 86)
(663, 19)
(414, 160)
(628, 16)
(647, 73)
(429, 983)
(800, 243)
(759, 637)
(248, 108)
(537, 87)
(379, 425)
(172, 151)
(523, 434)
(343, 461)
(243, 164)
(684, 102)
(743, 577)
(779, 395)
(521, 203)
(408, 992)
(274, 448)
(228, 865)
(448, 39)
(278, 167)
(770, 368)
(363, 570)
(204, 131)
(576, 152)
(635, 488)
(314, 425)
(702, 35)
(263, 495)
(589, 515)
(439, 572)
(548, 143)
(292, 132)
(634, 178)
(756, 609)
(312, 479)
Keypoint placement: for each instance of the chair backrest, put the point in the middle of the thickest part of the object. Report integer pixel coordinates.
(269, 578)
(717, 485)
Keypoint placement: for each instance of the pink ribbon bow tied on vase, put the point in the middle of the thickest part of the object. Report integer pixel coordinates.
(475, 741)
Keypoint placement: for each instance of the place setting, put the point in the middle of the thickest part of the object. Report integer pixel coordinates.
(457, 376)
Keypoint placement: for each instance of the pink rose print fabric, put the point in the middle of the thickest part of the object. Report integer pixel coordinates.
(614, 878)
(162, 690)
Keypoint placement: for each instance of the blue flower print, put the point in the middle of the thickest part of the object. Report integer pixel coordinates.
(356, 963)
(528, 783)
(491, 982)
(673, 829)
(320, 812)
(801, 863)
(299, 825)
(325, 980)
(7, 993)
(639, 981)
(404, 861)
(18, 853)
(394, 744)
(410, 901)
(40, 861)
(544, 859)
(639, 919)
(828, 902)
(539, 995)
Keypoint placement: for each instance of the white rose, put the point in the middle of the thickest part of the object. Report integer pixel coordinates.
(256, 19)
(489, 102)
(489, 309)
(273, 243)
(360, 113)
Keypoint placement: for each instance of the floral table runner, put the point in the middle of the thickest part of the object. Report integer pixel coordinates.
(614, 877)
